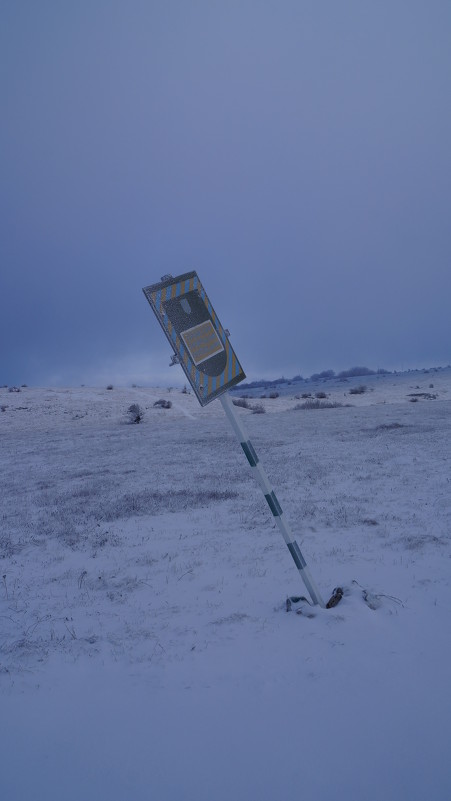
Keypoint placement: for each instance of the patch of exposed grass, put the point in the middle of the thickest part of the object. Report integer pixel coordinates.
(316, 403)
(151, 502)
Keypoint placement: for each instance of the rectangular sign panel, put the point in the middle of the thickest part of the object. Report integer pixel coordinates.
(196, 335)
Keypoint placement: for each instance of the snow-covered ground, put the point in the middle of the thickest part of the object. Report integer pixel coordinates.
(145, 647)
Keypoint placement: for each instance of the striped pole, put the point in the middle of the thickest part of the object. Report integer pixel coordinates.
(271, 498)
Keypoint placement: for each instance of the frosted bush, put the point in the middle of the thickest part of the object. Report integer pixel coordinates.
(135, 413)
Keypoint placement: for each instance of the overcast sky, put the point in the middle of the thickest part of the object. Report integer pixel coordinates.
(296, 153)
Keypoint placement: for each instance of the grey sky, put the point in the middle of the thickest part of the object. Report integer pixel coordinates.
(296, 154)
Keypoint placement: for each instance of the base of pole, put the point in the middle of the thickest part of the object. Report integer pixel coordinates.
(334, 599)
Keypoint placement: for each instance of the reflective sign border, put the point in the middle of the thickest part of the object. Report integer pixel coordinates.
(197, 345)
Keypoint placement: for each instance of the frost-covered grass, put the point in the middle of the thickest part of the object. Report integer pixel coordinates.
(145, 650)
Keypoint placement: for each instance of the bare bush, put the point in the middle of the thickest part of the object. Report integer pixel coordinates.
(241, 402)
(323, 374)
(163, 404)
(355, 371)
(320, 395)
(135, 413)
(425, 395)
(316, 403)
(389, 426)
(358, 390)
(273, 395)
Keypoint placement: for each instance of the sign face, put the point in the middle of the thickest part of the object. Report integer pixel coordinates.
(196, 335)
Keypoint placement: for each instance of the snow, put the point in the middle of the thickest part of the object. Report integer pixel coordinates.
(145, 650)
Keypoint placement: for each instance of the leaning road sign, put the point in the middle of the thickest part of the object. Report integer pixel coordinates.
(200, 342)
(202, 347)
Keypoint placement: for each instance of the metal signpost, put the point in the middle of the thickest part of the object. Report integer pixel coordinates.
(203, 350)
(200, 342)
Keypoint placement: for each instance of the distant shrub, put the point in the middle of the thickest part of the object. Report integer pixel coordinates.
(110, 386)
(425, 395)
(306, 395)
(135, 413)
(163, 404)
(320, 395)
(258, 408)
(389, 426)
(241, 402)
(273, 395)
(355, 371)
(323, 374)
(315, 403)
(358, 390)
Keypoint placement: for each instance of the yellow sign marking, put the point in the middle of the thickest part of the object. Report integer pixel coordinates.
(202, 342)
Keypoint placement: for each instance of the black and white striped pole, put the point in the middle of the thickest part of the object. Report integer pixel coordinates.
(202, 348)
(271, 498)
